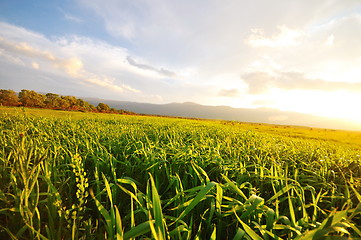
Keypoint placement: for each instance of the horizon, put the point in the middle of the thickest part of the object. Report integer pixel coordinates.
(292, 56)
(260, 115)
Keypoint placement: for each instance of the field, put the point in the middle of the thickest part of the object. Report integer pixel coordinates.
(72, 175)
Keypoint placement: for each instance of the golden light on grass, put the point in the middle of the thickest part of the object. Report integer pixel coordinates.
(102, 176)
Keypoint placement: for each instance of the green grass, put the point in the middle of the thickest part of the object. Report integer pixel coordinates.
(71, 175)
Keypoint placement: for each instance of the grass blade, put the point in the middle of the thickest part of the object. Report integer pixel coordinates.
(198, 198)
(279, 193)
(157, 211)
(118, 225)
(234, 187)
(239, 235)
(139, 230)
(247, 229)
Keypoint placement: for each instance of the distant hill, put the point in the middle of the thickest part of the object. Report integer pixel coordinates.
(258, 115)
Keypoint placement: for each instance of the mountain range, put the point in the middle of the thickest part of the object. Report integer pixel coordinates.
(257, 115)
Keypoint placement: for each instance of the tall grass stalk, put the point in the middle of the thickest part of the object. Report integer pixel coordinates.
(129, 177)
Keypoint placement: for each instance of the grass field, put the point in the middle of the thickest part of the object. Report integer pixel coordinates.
(72, 175)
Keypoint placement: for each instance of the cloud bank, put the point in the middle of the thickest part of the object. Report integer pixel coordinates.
(261, 82)
(92, 66)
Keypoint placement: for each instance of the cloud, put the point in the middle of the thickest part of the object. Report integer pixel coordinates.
(261, 82)
(327, 50)
(229, 92)
(70, 17)
(12, 59)
(173, 31)
(151, 44)
(72, 66)
(35, 65)
(109, 83)
(118, 16)
(221, 40)
(93, 67)
(329, 41)
(19, 34)
(24, 49)
(341, 35)
(284, 38)
(160, 71)
(65, 59)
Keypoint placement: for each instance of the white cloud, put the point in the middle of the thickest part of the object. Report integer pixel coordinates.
(330, 51)
(68, 58)
(284, 38)
(72, 18)
(329, 41)
(214, 40)
(9, 58)
(118, 16)
(72, 66)
(103, 70)
(176, 32)
(18, 34)
(261, 82)
(125, 30)
(229, 92)
(35, 65)
(109, 83)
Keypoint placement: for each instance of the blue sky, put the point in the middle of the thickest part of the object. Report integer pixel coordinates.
(291, 55)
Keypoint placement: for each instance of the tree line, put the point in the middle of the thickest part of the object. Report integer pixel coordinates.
(29, 98)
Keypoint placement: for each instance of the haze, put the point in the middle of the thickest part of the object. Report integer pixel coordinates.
(302, 56)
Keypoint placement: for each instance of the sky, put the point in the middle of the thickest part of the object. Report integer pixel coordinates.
(292, 55)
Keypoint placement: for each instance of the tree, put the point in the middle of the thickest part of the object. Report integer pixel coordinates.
(102, 107)
(92, 108)
(62, 103)
(70, 102)
(82, 105)
(31, 98)
(8, 98)
(51, 100)
(113, 110)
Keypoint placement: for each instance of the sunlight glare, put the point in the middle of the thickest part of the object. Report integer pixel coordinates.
(340, 104)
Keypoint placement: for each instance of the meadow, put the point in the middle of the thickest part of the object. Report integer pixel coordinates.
(73, 175)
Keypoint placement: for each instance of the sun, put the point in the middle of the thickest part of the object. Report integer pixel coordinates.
(339, 104)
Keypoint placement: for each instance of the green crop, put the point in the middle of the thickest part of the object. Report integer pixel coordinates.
(98, 176)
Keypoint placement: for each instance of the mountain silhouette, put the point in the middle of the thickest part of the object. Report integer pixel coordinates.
(256, 115)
